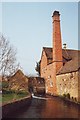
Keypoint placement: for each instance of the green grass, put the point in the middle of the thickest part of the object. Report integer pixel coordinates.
(10, 97)
(0, 98)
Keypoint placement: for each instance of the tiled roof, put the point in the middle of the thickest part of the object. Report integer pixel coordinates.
(48, 52)
(72, 58)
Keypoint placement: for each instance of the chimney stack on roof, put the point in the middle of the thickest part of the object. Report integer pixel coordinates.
(64, 45)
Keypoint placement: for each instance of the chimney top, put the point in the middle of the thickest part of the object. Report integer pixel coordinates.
(64, 45)
(56, 13)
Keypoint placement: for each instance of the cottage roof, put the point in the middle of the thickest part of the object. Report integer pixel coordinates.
(48, 52)
(72, 58)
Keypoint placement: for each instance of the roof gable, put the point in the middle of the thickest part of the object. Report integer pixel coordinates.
(43, 52)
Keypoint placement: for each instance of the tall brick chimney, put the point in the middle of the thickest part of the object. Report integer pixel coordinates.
(57, 42)
(57, 48)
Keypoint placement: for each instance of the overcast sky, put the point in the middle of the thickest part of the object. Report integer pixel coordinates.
(28, 26)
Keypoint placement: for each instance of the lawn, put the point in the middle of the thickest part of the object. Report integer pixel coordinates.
(0, 99)
(10, 97)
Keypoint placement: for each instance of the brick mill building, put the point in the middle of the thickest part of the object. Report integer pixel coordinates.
(60, 67)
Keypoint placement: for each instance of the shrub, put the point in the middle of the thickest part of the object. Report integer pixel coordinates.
(75, 99)
(5, 84)
(64, 95)
(4, 91)
(22, 92)
(68, 96)
(72, 98)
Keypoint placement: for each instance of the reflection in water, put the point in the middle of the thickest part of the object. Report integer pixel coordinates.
(50, 108)
(59, 109)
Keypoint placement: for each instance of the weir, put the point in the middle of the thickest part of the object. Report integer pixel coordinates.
(37, 97)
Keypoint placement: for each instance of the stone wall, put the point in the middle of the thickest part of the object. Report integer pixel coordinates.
(69, 83)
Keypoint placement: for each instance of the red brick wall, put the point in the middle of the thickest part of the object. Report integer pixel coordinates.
(57, 42)
(79, 85)
(49, 71)
(50, 82)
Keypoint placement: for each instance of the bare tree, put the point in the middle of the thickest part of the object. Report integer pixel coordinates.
(8, 64)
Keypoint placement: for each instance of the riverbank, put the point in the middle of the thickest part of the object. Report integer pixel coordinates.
(11, 97)
(64, 99)
(69, 100)
(13, 106)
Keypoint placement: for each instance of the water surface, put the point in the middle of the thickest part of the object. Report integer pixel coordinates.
(53, 107)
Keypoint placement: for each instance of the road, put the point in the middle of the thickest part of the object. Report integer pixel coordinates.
(52, 107)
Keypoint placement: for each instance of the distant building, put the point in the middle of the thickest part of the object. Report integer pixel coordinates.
(36, 85)
(60, 67)
(18, 82)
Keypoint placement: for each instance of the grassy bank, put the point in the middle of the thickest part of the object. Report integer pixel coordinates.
(10, 97)
(0, 99)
